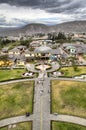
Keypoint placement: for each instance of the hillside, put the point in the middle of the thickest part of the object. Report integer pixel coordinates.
(35, 28)
(76, 26)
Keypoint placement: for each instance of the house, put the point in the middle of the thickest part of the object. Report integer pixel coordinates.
(21, 48)
(4, 51)
(42, 51)
(71, 49)
(27, 53)
(35, 44)
(14, 51)
(20, 63)
(55, 53)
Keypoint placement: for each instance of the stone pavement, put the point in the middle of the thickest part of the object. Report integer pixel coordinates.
(14, 120)
(67, 118)
(41, 120)
(68, 79)
(31, 67)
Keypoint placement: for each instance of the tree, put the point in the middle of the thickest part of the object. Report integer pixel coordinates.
(74, 63)
(26, 42)
(50, 36)
(61, 36)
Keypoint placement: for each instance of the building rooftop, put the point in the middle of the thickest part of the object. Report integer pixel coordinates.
(42, 49)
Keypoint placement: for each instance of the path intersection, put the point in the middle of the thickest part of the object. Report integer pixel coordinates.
(42, 117)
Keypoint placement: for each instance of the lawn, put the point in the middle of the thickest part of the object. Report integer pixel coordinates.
(69, 71)
(11, 74)
(69, 97)
(20, 126)
(16, 99)
(84, 57)
(66, 126)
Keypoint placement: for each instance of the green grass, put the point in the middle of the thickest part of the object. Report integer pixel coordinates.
(11, 74)
(84, 57)
(66, 126)
(11, 46)
(69, 97)
(20, 126)
(16, 99)
(69, 71)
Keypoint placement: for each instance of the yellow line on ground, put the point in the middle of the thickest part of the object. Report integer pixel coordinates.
(41, 113)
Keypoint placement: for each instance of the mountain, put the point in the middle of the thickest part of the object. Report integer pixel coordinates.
(75, 26)
(35, 28)
(9, 31)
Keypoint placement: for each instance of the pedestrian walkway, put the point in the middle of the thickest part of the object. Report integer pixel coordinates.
(14, 120)
(41, 119)
(54, 66)
(68, 118)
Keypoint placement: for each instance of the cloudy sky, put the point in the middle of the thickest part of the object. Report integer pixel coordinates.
(17, 13)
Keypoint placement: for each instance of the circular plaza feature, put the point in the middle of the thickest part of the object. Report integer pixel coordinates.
(43, 67)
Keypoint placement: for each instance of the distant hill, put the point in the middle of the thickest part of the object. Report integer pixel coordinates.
(75, 26)
(35, 28)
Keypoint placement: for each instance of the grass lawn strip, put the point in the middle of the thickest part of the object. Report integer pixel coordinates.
(66, 126)
(20, 126)
(16, 99)
(69, 97)
(69, 71)
(11, 74)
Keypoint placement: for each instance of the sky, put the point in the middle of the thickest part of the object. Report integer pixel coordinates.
(17, 13)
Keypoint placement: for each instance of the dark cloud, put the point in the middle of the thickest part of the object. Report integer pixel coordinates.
(49, 5)
(53, 6)
(21, 2)
(68, 7)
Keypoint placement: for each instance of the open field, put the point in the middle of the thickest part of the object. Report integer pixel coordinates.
(16, 99)
(20, 126)
(11, 74)
(66, 126)
(69, 71)
(69, 97)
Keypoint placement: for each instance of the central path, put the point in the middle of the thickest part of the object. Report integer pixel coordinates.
(41, 120)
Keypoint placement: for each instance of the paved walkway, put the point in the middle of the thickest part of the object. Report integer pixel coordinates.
(68, 79)
(14, 120)
(31, 67)
(41, 119)
(55, 66)
(67, 118)
(16, 81)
